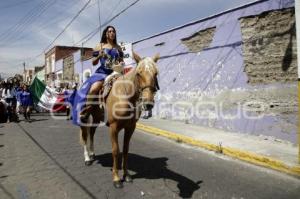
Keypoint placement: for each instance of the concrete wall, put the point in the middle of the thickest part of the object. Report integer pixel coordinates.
(58, 65)
(269, 47)
(231, 82)
(68, 68)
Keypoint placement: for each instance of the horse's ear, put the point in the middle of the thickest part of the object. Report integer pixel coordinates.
(136, 57)
(156, 57)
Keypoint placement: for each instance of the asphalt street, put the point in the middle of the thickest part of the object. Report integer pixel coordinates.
(44, 159)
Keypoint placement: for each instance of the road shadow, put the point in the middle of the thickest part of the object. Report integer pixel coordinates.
(38, 120)
(33, 120)
(153, 168)
(41, 114)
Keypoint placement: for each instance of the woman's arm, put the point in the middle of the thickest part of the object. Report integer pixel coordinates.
(97, 54)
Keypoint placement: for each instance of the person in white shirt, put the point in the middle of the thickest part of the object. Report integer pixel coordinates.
(9, 95)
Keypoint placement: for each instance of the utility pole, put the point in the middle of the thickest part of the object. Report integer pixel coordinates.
(99, 15)
(297, 10)
(24, 73)
(81, 64)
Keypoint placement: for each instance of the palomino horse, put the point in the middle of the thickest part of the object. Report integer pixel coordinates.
(129, 94)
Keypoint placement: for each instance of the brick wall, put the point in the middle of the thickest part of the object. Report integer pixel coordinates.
(62, 52)
(269, 47)
(200, 40)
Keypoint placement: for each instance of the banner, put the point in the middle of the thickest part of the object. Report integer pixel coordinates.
(127, 50)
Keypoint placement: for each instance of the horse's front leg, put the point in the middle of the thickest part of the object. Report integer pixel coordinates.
(84, 141)
(128, 133)
(115, 155)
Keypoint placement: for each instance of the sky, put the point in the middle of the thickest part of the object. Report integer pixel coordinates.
(28, 27)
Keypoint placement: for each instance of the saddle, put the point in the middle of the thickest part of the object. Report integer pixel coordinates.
(108, 83)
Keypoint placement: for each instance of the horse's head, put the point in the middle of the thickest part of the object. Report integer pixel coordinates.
(146, 72)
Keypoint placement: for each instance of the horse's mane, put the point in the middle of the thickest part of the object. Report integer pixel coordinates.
(146, 62)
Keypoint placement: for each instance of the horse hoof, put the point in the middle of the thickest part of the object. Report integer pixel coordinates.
(118, 184)
(128, 178)
(92, 157)
(88, 163)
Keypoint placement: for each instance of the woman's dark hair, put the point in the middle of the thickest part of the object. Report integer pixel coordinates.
(104, 38)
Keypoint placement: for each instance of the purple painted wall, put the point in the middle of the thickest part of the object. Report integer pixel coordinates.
(214, 74)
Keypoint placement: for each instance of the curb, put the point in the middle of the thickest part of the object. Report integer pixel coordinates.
(246, 156)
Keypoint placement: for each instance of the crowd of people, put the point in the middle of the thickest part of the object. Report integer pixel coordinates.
(15, 99)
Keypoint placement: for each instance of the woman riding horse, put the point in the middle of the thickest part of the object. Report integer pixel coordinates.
(107, 55)
(129, 94)
(122, 103)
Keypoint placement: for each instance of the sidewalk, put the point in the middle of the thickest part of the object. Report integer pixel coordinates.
(274, 154)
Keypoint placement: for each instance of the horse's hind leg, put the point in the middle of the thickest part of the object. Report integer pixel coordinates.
(92, 123)
(91, 143)
(84, 134)
(127, 135)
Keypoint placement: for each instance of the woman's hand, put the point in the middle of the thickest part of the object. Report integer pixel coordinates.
(122, 63)
(101, 53)
(118, 67)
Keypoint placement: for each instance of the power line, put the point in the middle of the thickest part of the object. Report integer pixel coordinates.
(43, 26)
(72, 20)
(217, 59)
(112, 11)
(25, 22)
(14, 4)
(90, 35)
(99, 14)
(21, 21)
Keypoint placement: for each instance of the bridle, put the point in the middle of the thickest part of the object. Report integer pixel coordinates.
(151, 88)
(140, 90)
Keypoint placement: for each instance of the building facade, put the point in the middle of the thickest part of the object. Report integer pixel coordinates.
(54, 64)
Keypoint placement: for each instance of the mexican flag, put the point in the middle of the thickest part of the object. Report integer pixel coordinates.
(45, 97)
